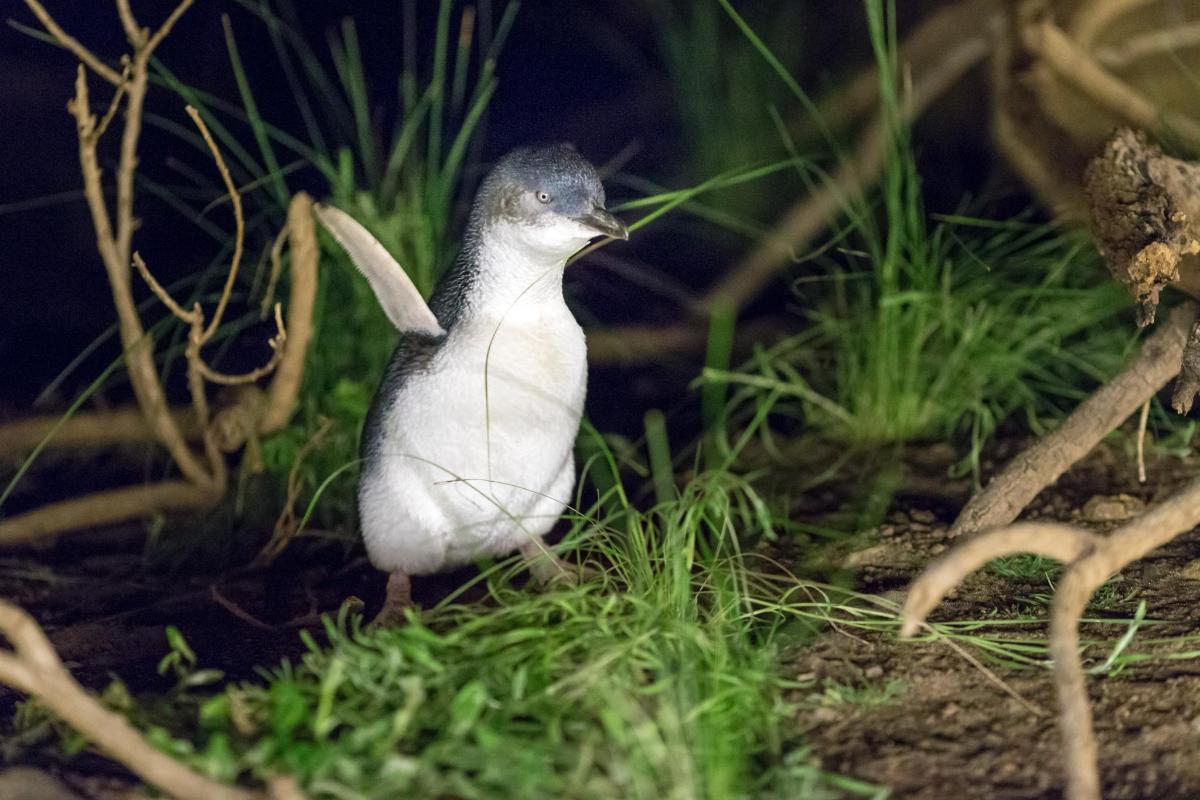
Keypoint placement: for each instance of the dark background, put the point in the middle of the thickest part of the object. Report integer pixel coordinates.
(588, 72)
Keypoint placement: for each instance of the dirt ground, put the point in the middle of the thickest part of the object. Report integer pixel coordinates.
(936, 725)
(945, 729)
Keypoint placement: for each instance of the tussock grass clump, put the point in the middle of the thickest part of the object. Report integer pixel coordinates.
(920, 329)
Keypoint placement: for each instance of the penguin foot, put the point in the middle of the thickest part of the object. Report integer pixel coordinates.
(396, 602)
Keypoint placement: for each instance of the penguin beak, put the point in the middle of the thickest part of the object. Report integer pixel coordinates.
(599, 220)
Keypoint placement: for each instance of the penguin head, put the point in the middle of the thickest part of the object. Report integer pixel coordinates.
(548, 199)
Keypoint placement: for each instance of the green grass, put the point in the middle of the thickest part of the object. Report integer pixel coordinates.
(724, 104)
(660, 678)
(917, 329)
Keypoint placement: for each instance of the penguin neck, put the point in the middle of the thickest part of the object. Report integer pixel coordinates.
(498, 274)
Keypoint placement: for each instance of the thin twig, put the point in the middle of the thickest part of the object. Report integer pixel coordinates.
(239, 222)
(302, 248)
(133, 32)
(169, 23)
(276, 270)
(277, 351)
(236, 610)
(74, 45)
(162, 294)
(114, 103)
(1143, 418)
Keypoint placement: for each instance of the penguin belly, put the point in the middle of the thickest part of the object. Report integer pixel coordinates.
(476, 456)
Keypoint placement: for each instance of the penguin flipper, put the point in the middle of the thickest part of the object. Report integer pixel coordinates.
(393, 288)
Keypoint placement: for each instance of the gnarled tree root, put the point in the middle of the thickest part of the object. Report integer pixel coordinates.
(1043, 462)
(1089, 560)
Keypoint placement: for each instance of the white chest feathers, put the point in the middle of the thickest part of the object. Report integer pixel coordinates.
(476, 449)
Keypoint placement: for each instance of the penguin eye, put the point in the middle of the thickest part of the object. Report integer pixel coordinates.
(543, 197)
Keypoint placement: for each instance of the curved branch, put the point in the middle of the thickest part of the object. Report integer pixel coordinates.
(1090, 560)
(35, 669)
(1043, 462)
(1076, 67)
(285, 385)
(1063, 543)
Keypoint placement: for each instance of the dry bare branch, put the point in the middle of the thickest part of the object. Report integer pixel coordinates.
(168, 25)
(1089, 561)
(232, 425)
(162, 294)
(88, 429)
(103, 508)
(302, 246)
(1063, 543)
(1094, 16)
(34, 668)
(277, 351)
(1076, 67)
(1043, 462)
(74, 45)
(277, 244)
(239, 239)
(138, 344)
(1143, 419)
(133, 32)
(1154, 43)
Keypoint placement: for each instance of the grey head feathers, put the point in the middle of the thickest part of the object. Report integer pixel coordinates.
(533, 183)
(533, 186)
(542, 185)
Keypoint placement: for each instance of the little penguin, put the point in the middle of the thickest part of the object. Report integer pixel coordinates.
(468, 448)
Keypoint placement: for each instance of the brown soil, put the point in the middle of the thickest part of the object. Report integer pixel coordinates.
(945, 729)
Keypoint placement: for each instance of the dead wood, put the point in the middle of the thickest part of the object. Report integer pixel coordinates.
(102, 508)
(1089, 561)
(1145, 207)
(247, 412)
(285, 385)
(88, 429)
(1042, 463)
(33, 668)
(1062, 79)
